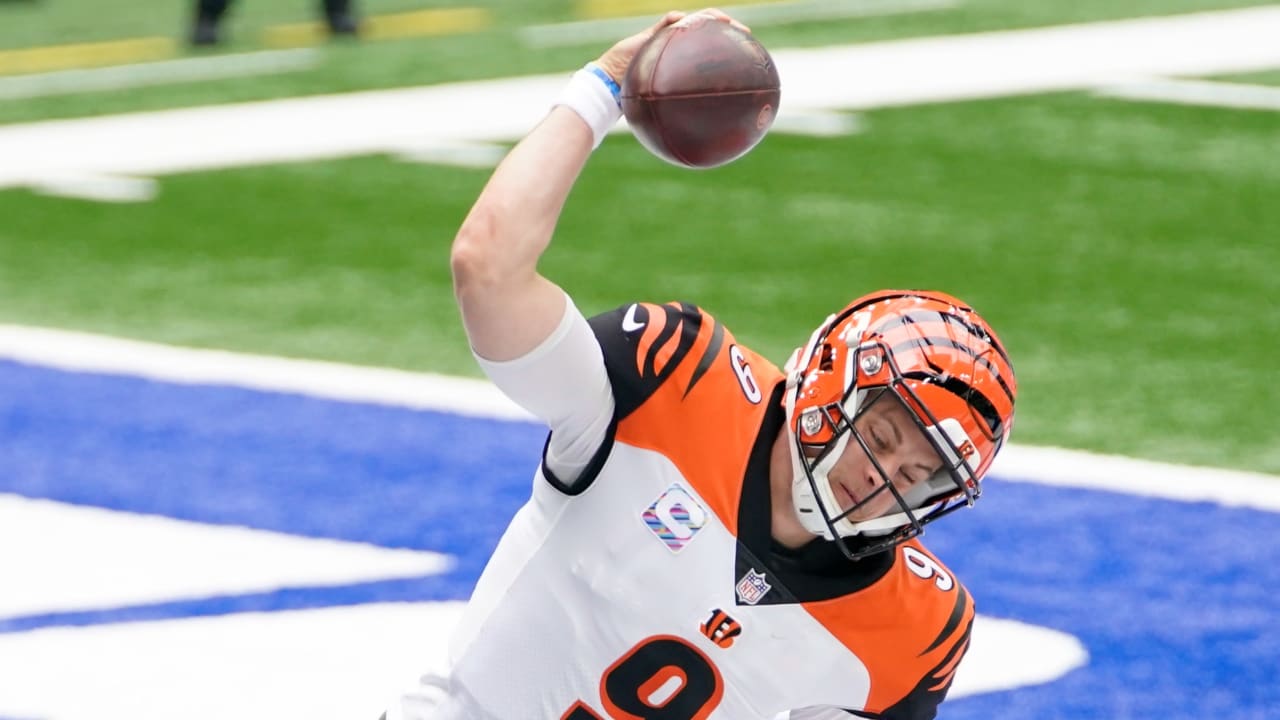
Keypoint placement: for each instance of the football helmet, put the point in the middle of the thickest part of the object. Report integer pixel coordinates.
(926, 350)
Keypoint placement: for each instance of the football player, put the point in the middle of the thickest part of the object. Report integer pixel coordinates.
(711, 536)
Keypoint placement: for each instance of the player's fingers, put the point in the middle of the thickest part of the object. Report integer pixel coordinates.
(673, 16)
(723, 16)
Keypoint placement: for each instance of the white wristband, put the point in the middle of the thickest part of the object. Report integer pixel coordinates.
(595, 97)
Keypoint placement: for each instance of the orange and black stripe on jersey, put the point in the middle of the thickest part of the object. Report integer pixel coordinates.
(643, 345)
(672, 372)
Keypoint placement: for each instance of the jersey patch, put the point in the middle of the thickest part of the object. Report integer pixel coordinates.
(721, 629)
(675, 517)
(753, 587)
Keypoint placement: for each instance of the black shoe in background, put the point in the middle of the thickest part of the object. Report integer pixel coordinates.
(343, 24)
(205, 33)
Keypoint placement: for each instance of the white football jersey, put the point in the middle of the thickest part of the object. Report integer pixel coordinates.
(650, 587)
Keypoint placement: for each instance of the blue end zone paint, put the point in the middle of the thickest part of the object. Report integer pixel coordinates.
(1176, 602)
(388, 476)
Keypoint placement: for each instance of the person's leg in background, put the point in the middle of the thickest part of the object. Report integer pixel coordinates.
(338, 14)
(208, 14)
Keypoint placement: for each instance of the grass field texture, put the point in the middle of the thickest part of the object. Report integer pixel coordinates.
(1129, 253)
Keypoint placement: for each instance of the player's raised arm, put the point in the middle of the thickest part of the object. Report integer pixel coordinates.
(507, 307)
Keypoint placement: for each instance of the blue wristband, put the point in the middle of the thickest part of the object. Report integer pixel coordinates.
(614, 88)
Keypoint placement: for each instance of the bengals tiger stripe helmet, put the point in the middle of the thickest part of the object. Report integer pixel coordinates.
(941, 360)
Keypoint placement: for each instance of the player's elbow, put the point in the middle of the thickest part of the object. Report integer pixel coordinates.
(475, 258)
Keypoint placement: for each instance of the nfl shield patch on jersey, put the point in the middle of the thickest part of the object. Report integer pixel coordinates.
(675, 517)
(752, 587)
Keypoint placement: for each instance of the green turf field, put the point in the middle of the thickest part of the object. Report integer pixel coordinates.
(493, 51)
(1129, 253)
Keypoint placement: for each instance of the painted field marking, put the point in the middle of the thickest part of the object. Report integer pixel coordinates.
(419, 23)
(333, 663)
(396, 121)
(1209, 93)
(137, 51)
(607, 25)
(80, 55)
(83, 352)
(292, 663)
(167, 72)
(66, 558)
(98, 188)
(904, 72)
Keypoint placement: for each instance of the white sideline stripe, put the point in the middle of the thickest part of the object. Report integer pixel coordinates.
(66, 82)
(457, 154)
(817, 123)
(101, 188)
(83, 352)
(831, 79)
(1199, 92)
(1078, 469)
(584, 31)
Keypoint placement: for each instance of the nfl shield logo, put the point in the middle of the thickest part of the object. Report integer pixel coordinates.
(752, 588)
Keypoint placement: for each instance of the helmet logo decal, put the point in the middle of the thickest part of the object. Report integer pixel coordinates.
(811, 421)
(675, 517)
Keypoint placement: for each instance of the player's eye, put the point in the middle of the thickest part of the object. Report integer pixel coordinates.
(878, 440)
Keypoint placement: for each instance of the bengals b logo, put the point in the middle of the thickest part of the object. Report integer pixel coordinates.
(721, 629)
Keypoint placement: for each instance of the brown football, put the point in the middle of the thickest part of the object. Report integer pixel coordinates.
(701, 93)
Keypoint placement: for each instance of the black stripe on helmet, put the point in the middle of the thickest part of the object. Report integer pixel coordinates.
(948, 342)
(967, 393)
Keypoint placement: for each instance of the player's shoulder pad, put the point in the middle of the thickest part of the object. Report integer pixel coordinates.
(944, 601)
(645, 344)
(944, 611)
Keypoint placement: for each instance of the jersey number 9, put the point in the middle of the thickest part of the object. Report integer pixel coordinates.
(661, 678)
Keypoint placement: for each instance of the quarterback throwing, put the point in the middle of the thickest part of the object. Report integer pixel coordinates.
(710, 536)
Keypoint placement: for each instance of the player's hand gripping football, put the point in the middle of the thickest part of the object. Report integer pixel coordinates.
(617, 59)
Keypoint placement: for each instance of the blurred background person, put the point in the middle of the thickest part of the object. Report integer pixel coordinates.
(338, 16)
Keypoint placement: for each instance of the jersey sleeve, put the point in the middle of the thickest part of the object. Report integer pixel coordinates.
(645, 343)
(923, 700)
(563, 383)
(910, 630)
(949, 648)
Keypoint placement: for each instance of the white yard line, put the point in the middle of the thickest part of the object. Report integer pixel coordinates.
(100, 188)
(756, 15)
(1077, 469)
(819, 80)
(1208, 93)
(83, 352)
(168, 72)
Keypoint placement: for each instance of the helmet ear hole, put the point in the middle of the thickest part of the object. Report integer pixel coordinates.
(826, 360)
